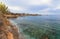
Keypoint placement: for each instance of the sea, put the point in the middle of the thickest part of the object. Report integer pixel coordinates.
(38, 27)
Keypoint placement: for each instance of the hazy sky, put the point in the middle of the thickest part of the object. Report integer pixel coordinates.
(33, 6)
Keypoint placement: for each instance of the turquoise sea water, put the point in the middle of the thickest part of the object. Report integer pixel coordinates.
(39, 27)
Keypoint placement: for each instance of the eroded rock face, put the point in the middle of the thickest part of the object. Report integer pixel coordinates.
(2, 35)
(7, 30)
(9, 33)
(15, 32)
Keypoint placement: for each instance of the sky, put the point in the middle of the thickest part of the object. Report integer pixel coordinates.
(33, 6)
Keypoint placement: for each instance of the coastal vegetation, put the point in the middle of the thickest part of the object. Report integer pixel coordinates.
(3, 8)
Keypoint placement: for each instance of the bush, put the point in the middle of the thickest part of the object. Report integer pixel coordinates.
(3, 8)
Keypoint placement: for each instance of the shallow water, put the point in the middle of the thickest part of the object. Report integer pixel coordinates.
(39, 27)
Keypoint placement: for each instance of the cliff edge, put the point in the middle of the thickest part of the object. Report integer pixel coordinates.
(7, 30)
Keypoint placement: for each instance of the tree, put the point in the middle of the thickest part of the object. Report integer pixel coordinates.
(3, 8)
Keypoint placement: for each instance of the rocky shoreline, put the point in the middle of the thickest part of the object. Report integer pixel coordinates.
(7, 30)
(15, 15)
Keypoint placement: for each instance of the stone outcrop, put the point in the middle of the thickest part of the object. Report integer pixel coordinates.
(7, 30)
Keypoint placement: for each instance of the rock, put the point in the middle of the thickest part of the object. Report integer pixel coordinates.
(9, 33)
(2, 35)
(7, 30)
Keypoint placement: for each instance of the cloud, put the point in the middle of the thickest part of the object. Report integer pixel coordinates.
(16, 8)
(3, 1)
(45, 10)
(35, 2)
(39, 2)
(57, 7)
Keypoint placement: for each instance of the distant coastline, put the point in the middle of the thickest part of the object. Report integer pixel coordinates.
(15, 15)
